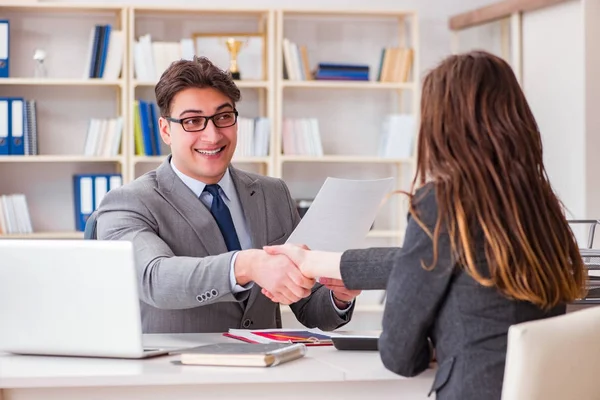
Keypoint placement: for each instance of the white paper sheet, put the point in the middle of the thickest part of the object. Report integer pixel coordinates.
(341, 214)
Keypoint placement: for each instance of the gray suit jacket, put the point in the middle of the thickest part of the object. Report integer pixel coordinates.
(467, 322)
(182, 261)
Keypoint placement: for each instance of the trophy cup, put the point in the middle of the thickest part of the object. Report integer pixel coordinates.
(234, 46)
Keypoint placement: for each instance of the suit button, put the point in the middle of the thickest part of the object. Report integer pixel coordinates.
(246, 323)
(214, 292)
(199, 298)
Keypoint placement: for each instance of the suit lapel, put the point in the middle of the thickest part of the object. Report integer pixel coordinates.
(254, 207)
(190, 208)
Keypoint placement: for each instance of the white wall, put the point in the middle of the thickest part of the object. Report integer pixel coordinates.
(592, 100)
(553, 80)
(561, 64)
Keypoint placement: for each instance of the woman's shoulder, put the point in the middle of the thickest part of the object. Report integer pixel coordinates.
(425, 205)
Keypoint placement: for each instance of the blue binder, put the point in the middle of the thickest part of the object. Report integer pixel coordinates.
(147, 132)
(88, 192)
(83, 193)
(4, 47)
(4, 125)
(16, 145)
(155, 128)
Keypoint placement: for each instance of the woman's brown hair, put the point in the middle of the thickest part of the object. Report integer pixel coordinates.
(480, 146)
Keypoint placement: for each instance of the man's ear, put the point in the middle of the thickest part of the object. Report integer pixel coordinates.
(165, 130)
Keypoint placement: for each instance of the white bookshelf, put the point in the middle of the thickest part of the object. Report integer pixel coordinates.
(62, 82)
(346, 85)
(348, 111)
(65, 103)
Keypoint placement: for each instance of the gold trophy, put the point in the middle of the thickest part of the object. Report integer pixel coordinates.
(234, 46)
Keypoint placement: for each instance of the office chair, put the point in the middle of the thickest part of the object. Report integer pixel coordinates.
(89, 232)
(591, 259)
(554, 359)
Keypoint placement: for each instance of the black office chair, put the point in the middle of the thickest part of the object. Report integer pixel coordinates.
(89, 232)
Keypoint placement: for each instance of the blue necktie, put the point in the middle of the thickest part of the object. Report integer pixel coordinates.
(220, 211)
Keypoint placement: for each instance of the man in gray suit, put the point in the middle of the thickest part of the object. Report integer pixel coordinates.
(198, 224)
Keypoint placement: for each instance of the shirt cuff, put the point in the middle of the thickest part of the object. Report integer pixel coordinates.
(235, 288)
(341, 313)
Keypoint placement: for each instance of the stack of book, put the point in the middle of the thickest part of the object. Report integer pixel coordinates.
(103, 137)
(397, 136)
(395, 64)
(105, 53)
(295, 62)
(151, 59)
(342, 72)
(301, 137)
(14, 215)
(146, 133)
(253, 137)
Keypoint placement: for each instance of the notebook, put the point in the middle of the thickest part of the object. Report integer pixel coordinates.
(243, 354)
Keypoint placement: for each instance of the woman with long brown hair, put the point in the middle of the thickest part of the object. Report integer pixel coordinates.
(487, 244)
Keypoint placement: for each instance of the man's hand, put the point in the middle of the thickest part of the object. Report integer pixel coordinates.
(341, 294)
(315, 264)
(275, 273)
(312, 264)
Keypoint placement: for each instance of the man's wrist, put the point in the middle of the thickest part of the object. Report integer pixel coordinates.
(243, 266)
(341, 304)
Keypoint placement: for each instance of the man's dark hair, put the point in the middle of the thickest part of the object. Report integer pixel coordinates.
(197, 73)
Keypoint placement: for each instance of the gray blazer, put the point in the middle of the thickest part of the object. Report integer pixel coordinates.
(182, 261)
(466, 322)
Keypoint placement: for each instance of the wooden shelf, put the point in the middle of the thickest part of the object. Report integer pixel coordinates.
(345, 159)
(59, 82)
(369, 85)
(350, 13)
(239, 160)
(184, 9)
(16, 5)
(58, 159)
(45, 235)
(240, 84)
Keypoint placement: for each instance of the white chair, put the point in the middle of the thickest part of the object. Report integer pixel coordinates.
(554, 359)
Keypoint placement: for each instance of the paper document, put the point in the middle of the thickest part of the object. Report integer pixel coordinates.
(341, 214)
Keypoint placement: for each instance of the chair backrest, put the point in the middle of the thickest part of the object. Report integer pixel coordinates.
(89, 232)
(554, 359)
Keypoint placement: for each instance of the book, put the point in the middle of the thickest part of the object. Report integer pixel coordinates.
(243, 354)
(309, 337)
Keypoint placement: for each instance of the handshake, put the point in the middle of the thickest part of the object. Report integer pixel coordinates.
(287, 273)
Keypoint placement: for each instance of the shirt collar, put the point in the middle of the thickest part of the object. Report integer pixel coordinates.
(196, 186)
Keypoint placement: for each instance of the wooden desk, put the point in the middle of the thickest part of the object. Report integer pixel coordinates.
(324, 373)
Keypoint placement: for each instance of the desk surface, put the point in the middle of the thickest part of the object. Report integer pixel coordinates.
(321, 364)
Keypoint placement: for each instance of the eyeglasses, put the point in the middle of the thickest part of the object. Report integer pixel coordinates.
(194, 124)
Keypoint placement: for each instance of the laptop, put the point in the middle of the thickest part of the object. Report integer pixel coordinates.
(70, 298)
